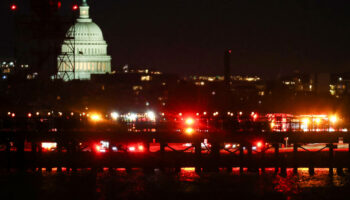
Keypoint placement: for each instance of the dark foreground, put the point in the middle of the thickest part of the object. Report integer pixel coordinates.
(185, 185)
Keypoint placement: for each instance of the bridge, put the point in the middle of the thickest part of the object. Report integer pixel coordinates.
(206, 151)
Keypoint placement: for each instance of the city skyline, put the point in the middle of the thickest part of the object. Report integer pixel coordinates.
(267, 38)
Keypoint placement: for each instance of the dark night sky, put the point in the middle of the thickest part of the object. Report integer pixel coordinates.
(267, 37)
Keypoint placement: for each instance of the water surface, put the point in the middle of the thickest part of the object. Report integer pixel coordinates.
(187, 184)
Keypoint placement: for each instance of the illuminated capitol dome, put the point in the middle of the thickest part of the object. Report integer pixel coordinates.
(86, 39)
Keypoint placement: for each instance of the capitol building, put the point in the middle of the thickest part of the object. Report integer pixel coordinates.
(84, 51)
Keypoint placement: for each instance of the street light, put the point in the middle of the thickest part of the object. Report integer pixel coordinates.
(333, 119)
(95, 117)
(189, 130)
(114, 115)
(151, 116)
(189, 123)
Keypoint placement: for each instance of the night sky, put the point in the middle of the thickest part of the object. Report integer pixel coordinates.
(267, 37)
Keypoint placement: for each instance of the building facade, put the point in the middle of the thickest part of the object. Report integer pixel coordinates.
(84, 50)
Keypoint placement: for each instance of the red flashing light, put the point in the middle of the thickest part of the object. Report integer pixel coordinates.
(75, 7)
(13, 7)
(229, 51)
(13, 115)
(59, 4)
(29, 115)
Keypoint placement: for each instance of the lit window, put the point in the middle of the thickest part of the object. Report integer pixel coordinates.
(137, 87)
(145, 78)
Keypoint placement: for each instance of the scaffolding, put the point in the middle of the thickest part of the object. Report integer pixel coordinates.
(66, 60)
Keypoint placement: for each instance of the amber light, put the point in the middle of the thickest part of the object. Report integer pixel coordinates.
(140, 148)
(333, 118)
(189, 121)
(95, 117)
(189, 130)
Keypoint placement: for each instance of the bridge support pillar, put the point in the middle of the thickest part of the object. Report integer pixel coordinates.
(262, 161)
(8, 154)
(177, 169)
(241, 158)
(215, 156)
(340, 171)
(34, 156)
(162, 156)
(198, 156)
(75, 155)
(311, 163)
(39, 159)
(229, 169)
(311, 170)
(331, 158)
(128, 170)
(49, 169)
(251, 167)
(20, 162)
(147, 168)
(349, 156)
(277, 157)
(295, 158)
(283, 167)
(110, 158)
(59, 152)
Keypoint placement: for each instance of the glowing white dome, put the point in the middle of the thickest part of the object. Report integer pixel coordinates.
(85, 31)
(84, 38)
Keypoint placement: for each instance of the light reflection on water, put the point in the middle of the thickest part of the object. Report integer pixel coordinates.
(187, 184)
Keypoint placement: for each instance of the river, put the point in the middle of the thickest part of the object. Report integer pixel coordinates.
(184, 185)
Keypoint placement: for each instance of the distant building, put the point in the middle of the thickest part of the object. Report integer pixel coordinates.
(299, 82)
(238, 84)
(7, 66)
(333, 84)
(83, 49)
(138, 86)
(201, 80)
(10, 68)
(339, 84)
(129, 75)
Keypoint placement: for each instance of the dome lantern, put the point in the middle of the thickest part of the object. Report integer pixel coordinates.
(84, 12)
(84, 3)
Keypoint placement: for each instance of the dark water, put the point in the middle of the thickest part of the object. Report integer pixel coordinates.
(184, 185)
